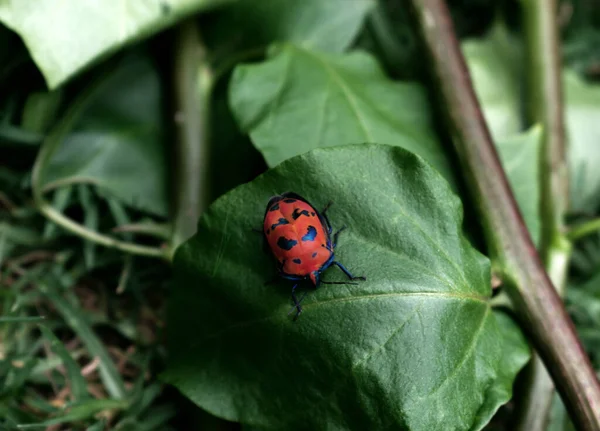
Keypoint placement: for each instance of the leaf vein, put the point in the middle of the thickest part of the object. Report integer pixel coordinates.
(468, 354)
(335, 77)
(393, 334)
(440, 295)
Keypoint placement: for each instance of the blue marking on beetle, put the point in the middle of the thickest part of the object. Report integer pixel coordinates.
(286, 244)
(297, 213)
(310, 235)
(274, 207)
(312, 214)
(279, 223)
(314, 254)
(289, 201)
(298, 261)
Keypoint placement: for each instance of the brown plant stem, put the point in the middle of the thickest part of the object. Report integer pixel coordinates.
(515, 258)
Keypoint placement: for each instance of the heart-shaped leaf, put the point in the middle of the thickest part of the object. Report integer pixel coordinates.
(416, 346)
(301, 99)
(64, 40)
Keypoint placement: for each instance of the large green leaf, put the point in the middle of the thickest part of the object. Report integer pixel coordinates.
(415, 347)
(324, 25)
(67, 37)
(515, 354)
(118, 143)
(300, 99)
(583, 131)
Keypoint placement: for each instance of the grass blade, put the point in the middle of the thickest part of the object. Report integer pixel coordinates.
(78, 383)
(75, 318)
(80, 411)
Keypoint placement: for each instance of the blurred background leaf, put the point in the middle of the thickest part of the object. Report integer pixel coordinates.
(64, 40)
(583, 129)
(520, 157)
(118, 142)
(328, 26)
(494, 63)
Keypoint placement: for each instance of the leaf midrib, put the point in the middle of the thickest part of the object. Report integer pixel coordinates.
(437, 295)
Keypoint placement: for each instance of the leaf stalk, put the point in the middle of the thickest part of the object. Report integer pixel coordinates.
(545, 106)
(193, 82)
(584, 229)
(49, 146)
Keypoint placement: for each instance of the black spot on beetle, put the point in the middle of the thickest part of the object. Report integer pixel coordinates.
(286, 244)
(279, 223)
(274, 207)
(267, 231)
(298, 261)
(312, 214)
(297, 213)
(289, 201)
(314, 254)
(310, 235)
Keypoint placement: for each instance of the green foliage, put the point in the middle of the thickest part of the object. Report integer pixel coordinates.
(355, 348)
(520, 156)
(300, 99)
(48, 31)
(583, 108)
(495, 65)
(311, 24)
(117, 138)
(515, 355)
(335, 97)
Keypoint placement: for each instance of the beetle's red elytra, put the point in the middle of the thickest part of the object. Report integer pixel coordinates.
(301, 240)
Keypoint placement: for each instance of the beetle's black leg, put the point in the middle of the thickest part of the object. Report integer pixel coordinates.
(297, 306)
(326, 207)
(348, 274)
(335, 237)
